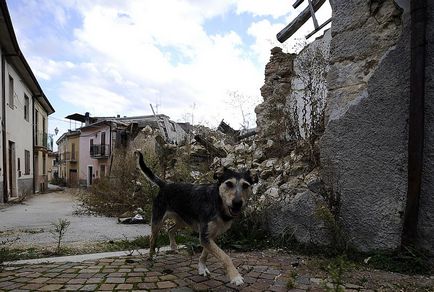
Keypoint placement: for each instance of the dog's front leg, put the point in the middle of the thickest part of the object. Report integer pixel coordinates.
(231, 271)
(211, 247)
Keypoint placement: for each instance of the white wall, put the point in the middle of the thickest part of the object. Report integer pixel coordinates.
(19, 130)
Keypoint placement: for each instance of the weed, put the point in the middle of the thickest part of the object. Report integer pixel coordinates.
(290, 284)
(336, 271)
(339, 241)
(60, 227)
(7, 254)
(409, 260)
(125, 190)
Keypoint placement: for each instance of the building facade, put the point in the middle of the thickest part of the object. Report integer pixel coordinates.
(69, 153)
(40, 122)
(95, 151)
(52, 166)
(20, 92)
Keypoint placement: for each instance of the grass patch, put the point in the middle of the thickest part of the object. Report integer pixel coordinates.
(409, 260)
(141, 242)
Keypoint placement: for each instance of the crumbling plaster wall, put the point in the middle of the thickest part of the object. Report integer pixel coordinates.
(289, 184)
(426, 211)
(364, 146)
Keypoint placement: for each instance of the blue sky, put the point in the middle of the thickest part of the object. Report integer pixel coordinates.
(111, 57)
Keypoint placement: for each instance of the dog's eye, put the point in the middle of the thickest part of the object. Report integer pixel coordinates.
(230, 184)
(245, 186)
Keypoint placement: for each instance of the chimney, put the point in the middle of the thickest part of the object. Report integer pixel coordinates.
(86, 119)
(118, 116)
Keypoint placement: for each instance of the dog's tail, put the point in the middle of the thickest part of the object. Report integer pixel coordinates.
(147, 171)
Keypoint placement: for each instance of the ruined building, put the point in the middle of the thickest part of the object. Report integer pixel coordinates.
(364, 142)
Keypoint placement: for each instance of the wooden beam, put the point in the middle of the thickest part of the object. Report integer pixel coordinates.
(214, 151)
(319, 28)
(301, 19)
(297, 3)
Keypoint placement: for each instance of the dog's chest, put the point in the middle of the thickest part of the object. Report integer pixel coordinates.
(217, 227)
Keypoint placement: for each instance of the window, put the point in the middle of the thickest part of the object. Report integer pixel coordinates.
(27, 162)
(11, 92)
(44, 164)
(26, 107)
(19, 167)
(102, 143)
(73, 151)
(91, 146)
(102, 170)
(36, 127)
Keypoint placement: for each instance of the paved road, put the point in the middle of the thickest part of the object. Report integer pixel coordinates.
(32, 221)
(262, 271)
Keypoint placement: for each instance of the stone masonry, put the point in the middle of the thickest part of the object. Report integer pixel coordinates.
(364, 147)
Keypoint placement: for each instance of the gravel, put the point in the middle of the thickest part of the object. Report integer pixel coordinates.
(33, 219)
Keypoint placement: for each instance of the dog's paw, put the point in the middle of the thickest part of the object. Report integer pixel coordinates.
(238, 280)
(203, 270)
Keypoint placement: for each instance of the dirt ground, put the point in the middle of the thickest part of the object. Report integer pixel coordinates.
(32, 220)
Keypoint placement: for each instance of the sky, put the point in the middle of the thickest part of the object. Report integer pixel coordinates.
(193, 60)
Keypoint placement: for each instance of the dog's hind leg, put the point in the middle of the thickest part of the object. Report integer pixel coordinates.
(155, 229)
(179, 224)
(158, 212)
(203, 270)
(172, 234)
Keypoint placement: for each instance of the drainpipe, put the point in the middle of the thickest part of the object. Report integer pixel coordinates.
(111, 151)
(33, 143)
(5, 177)
(416, 121)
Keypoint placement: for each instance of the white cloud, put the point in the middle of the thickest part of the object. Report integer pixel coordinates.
(99, 101)
(123, 55)
(275, 8)
(46, 69)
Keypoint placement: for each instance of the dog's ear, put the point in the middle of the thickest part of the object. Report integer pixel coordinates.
(218, 174)
(251, 177)
(221, 173)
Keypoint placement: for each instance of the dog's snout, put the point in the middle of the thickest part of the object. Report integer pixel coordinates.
(237, 203)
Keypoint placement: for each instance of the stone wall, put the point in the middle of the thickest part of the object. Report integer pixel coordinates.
(426, 211)
(364, 147)
(274, 125)
(289, 187)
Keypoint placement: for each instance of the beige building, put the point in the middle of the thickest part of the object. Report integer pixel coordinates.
(40, 123)
(52, 165)
(68, 153)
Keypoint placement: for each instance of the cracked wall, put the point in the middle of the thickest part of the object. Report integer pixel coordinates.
(364, 146)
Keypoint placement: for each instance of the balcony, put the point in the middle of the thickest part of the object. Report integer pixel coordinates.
(41, 139)
(99, 151)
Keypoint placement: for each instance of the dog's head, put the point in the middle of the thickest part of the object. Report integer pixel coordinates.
(234, 189)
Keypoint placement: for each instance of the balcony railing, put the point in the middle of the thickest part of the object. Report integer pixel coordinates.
(99, 151)
(41, 139)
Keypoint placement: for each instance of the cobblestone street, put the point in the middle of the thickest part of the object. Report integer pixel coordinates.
(262, 271)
